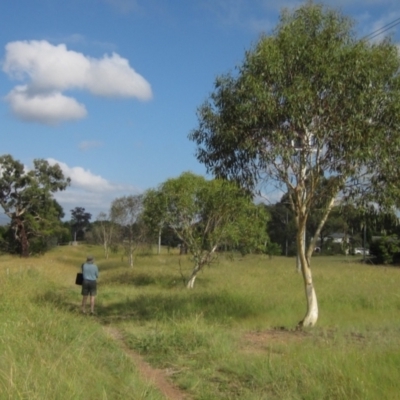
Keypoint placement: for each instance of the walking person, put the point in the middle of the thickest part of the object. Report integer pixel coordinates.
(89, 285)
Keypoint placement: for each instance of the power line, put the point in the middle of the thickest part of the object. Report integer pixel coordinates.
(382, 29)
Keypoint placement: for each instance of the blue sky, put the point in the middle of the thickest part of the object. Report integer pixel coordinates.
(109, 88)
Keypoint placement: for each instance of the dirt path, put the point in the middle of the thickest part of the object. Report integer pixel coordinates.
(157, 377)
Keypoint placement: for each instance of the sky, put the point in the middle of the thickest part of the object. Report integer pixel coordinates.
(109, 89)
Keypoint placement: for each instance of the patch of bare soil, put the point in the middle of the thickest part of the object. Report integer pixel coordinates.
(157, 377)
(263, 340)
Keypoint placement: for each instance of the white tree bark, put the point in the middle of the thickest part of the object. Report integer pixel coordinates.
(311, 317)
(201, 261)
(105, 246)
(131, 258)
(191, 280)
(159, 241)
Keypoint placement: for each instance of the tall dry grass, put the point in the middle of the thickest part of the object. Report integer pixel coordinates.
(231, 337)
(48, 350)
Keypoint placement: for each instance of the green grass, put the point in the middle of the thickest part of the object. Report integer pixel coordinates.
(48, 350)
(231, 337)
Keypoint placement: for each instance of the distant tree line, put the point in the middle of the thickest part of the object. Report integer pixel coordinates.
(359, 226)
(200, 216)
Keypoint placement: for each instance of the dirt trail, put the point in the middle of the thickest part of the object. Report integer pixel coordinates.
(157, 377)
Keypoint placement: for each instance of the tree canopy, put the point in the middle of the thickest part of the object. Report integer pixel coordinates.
(206, 214)
(312, 110)
(79, 220)
(126, 212)
(26, 197)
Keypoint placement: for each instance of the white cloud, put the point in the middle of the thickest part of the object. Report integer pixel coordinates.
(51, 69)
(94, 204)
(82, 178)
(89, 190)
(47, 108)
(113, 77)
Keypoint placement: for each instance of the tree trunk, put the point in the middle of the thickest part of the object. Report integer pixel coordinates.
(131, 258)
(311, 317)
(159, 241)
(190, 283)
(317, 233)
(191, 280)
(106, 251)
(200, 263)
(23, 240)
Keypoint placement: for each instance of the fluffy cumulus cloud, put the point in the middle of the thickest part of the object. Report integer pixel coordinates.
(89, 190)
(47, 70)
(82, 178)
(47, 108)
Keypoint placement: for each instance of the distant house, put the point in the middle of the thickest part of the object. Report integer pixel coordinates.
(338, 238)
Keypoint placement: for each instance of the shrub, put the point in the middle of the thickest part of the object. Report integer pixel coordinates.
(273, 249)
(386, 250)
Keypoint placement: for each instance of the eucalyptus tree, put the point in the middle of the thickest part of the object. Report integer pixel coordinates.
(80, 220)
(154, 214)
(206, 215)
(26, 197)
(312, 110)
(126, 212)
(105, 231)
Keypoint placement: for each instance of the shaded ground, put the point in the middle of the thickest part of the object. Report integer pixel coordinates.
(157, 377)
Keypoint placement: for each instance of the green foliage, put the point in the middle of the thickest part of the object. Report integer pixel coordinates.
(207, 215)
(27, 199)
(281, 226)
(386, 250)
(251, 229)
(154, 214)
(311, 74)
(314, 111)
(79, 221)
(311, 109)
(273, 249)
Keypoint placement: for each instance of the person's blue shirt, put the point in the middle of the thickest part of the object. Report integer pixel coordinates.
(90, 271)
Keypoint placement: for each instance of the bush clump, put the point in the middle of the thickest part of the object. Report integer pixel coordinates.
(386, 250)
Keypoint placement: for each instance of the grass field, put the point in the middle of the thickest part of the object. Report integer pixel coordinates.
(231, 337)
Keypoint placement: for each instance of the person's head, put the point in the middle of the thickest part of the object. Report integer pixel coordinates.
(89, 259)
